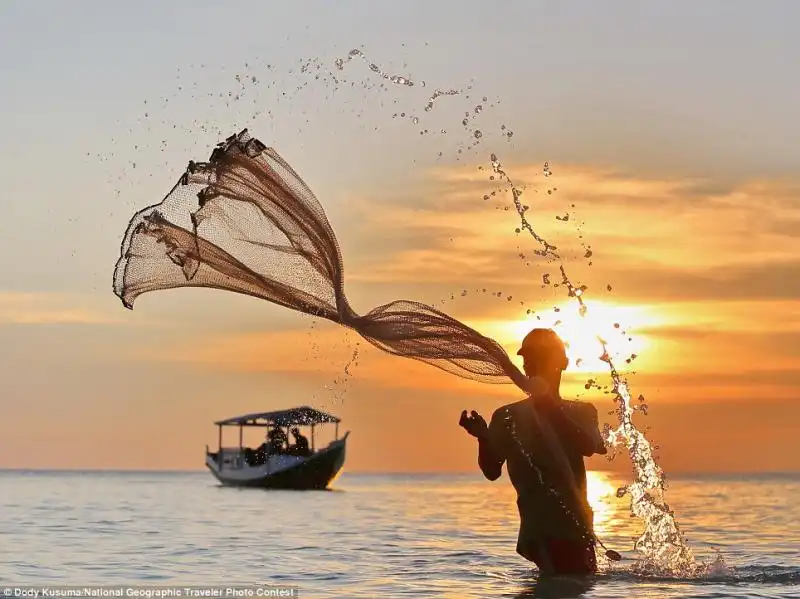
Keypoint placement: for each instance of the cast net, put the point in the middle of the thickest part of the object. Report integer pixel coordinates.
(246, 222)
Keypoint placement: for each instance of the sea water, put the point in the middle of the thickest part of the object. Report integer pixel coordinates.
(445, 535)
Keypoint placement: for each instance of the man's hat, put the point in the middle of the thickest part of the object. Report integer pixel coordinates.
(543, 341)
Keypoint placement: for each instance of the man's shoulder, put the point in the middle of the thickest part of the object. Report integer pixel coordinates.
(581, 410)
(509, 409)
(581, 406)
(503, 416)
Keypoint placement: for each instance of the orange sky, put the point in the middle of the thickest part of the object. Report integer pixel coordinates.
(676, 165)
(701, 278)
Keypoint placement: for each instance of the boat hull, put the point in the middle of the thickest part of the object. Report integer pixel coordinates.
(316, 472)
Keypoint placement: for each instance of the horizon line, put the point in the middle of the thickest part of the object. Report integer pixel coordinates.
(45, 470)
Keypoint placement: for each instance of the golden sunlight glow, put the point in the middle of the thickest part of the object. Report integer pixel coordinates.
(600, 492)
(614, 324)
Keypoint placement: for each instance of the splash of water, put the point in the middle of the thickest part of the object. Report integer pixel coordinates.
(351, 363)
(547, 249)
(662, 542)
(338, 389)
(358, 54)
(439, 93)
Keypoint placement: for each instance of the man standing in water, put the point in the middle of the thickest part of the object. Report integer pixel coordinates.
(543, 440)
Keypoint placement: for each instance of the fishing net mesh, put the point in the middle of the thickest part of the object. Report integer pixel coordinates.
(246, 222)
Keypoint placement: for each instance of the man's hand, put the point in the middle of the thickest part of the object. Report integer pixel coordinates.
(474, 424)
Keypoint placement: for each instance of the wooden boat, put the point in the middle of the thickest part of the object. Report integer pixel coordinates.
(274, 465)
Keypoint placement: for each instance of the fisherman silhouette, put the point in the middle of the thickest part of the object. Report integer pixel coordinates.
(556, 530)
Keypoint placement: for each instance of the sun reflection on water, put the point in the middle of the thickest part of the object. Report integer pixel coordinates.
(601, 493)
(477, 499)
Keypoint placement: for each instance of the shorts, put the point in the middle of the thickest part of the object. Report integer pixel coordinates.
(563, 557)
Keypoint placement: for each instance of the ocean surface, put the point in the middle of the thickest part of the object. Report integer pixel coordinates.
(373, 535)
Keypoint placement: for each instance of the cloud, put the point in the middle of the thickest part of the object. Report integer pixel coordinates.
(321, 354)
(17, 308)
(743, 380)
(712, 261)
(742, 319)
(776, 280)
(682, 362)
(651, 237)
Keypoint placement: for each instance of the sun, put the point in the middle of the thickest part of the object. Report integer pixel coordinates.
(614, 326)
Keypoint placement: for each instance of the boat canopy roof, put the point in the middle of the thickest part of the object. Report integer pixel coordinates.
(304, 415)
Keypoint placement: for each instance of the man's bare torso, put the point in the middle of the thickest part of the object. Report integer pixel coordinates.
(547, 502)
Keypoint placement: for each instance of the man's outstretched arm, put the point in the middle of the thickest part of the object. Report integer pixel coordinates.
(491, 465)
(489, 461)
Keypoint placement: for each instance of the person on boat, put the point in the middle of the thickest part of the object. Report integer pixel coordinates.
(556, 529)
(277, 440)
(300, 446)
(260, 455)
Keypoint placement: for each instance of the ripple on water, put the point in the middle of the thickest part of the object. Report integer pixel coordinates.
(452, 536)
